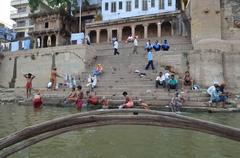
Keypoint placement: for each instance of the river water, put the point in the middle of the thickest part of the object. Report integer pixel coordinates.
(120, 141)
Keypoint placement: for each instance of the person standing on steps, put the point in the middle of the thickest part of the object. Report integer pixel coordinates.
(115, 46)
(135, 45)
(29, 77)
(53, 78)
(150, 59)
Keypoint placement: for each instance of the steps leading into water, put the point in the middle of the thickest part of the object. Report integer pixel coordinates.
(119, 74)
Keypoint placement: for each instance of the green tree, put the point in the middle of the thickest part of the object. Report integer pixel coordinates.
(66, 4)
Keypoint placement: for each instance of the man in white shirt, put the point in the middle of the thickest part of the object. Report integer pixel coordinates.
(135, 45)
(160, 80)
(211, 89)
(115, 46)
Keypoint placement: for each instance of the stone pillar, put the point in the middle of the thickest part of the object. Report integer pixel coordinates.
(119, 32)
(159, 24)
(172, 31)
(133, 30)
(57, 39)
(86, 32)
(35, 43)
(109, 36)
(98, 36)
(145, 30)
(42, 41)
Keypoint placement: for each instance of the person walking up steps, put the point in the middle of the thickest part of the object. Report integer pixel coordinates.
(150, 59)
(135, 45)
(115, 46)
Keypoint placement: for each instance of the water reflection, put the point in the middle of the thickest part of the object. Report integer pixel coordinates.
(120, 141)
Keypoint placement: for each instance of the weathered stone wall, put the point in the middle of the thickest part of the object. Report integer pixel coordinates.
(227, 46)
(6, 71)
(232, 69)
(230, 14)
(68, 59)
(205, 19)
(206, 66)
(177, 60)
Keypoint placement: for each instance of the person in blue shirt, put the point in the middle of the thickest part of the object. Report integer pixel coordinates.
(157, 46)
(217, 96)
(150, 59)
(165, 45)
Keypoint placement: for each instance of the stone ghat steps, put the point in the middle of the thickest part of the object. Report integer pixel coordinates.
(122, 49)
(141, 52)
(179, 46)
(146, 92)
(119, 75)
(56, 101)
(171, 40)
(58, 98)
(146, 98)
(160, 103)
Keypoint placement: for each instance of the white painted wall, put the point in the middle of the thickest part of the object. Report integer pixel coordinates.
(108, 15)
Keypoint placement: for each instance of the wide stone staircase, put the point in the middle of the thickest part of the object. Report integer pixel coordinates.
(119, 75)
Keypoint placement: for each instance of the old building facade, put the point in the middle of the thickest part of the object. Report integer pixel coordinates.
(145, 19)
(117, 9)
(53, 28)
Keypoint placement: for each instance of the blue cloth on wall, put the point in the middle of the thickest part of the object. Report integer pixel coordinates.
(26, 44)
(79, 37)
(14, 46)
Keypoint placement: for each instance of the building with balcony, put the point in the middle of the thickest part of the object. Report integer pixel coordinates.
(117, 9)
(21, 17)
(142, 18)
(52, 28)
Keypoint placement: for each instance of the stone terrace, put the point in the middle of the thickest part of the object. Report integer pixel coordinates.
(119, 74)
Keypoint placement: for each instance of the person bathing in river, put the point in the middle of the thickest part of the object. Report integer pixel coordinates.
(104, 102)
(29, 77)
(128, 101)
(37, 100)
(72, 97)
(92, 98)
(79, 100)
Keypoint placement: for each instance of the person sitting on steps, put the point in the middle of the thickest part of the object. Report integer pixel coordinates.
(187, 80)
(72, 97)
(218, 97)
(92, 98)
(157, 46)
(165, 45)
(130, 39)
(148, 45)
(160, 80)
(172, 83)
(98, 70)
(176, 102)
(128, 101)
